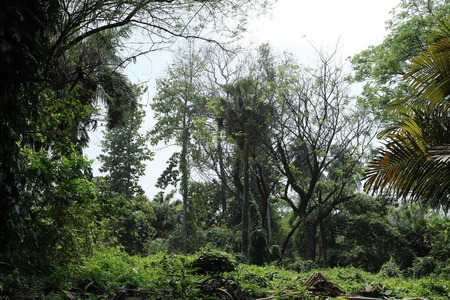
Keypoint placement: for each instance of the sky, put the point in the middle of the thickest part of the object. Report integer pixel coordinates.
(296, 26)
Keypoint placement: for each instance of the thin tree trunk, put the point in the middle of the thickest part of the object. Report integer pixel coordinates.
(223, 195)
(245, 204)
(184, 183)
(288, 238)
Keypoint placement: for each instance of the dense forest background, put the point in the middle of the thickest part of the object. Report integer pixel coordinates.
(278, 163)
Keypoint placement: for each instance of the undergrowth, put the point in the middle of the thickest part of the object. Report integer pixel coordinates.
(176, 278)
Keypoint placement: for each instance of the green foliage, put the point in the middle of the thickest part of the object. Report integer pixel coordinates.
(423, 266)
(352, 280)
(163, 273)
(253, 282)
(430, 288)
(443, 269)
(258, 252)
(58, 207)
(125, 153)
(208, 261)
(222, 238)
(414, 162)
(172, 277)
(166, 213)
(304, 266)
(256, 280)
(157, 245)
(134, 230)
(382, 66)
(438, 233)
(275, 253)
(361, 235)
(390, 269)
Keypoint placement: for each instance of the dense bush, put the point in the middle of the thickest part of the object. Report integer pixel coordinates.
(423, 266)
(304, 266)
(258, 252)
(390, 269)
(208, 261)
(443, 269)
(256, 280)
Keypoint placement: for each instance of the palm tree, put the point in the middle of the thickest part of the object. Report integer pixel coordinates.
(245, 117)
(241, 95)
(415, 163)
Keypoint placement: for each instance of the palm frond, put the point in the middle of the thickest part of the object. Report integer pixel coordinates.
(415, 162)
(409, 173)
(441, 153)
(429, 74)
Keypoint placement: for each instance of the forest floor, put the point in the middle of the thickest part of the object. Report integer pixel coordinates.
(214, 287)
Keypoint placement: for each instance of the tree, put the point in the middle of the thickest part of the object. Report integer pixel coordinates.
(360, 234)
(240, 126)
(415, 163)
(126, 150)
(382, 67)
(236, 118)
(320, 141)
(176, 109)
(23, 41)
(165, 219)
(68, 48)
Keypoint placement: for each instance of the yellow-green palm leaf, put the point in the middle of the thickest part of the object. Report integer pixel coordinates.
(415, 162)
(408, 170)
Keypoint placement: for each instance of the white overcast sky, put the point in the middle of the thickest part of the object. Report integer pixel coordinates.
(292, 25)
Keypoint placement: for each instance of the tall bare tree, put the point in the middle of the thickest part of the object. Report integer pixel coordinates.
(321, 139)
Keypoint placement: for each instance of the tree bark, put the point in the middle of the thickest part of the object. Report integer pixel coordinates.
(269, 226)
(324, 244)
(245, 203)
(223, 178)
(310, 231)
(184, 183)
(288, 238)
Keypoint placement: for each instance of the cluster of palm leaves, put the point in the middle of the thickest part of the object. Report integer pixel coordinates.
(415, 161)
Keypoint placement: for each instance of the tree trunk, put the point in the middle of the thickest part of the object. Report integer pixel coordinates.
(245, 204)
(288, 238)
(311, 241)
(223, 195)
(324, 244)
(269, 226)
(184, 183)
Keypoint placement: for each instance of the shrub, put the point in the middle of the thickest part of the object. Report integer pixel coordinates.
(156, 246)
(423, 266)
(443, 269)
(209, 260)
(252, 279)
(304, 266)
(275, 253)
(390, 269)
(222, 238)
(257, 248)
